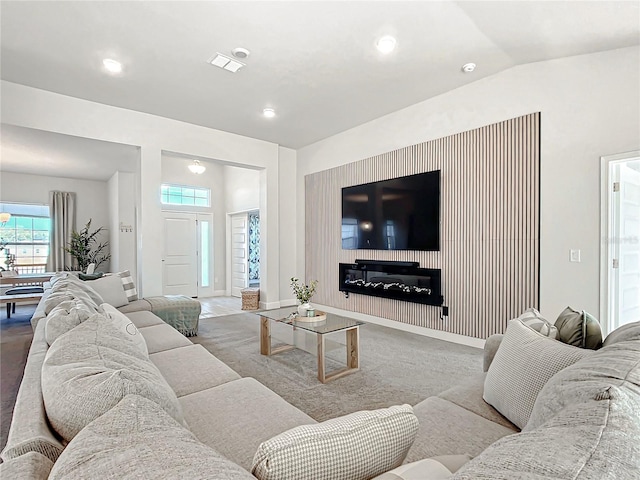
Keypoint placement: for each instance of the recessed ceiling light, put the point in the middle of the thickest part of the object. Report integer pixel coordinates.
(240, 52)
(112, 66)
(225, 63)
(269, 112)
(468, 67)
(386, 44)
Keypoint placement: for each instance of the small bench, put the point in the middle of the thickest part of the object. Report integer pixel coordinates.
(20, 295)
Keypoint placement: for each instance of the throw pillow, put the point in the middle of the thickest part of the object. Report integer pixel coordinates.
(533, 319)
(80, 290)
(83, 379)
(127, 284)
(90, 276)
(525, 361)
(110, 289)
(126, 326)
(64, 317)
(357, 446)
(579, 329)
(137, 439)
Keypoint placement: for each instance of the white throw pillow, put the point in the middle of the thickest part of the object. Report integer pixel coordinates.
(110, 289)
(357, 446)
(523, 364)
(126, 326)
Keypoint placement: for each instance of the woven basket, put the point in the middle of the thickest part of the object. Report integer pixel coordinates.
(250, 298)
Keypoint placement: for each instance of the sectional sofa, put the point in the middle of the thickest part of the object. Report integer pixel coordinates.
(113, 395)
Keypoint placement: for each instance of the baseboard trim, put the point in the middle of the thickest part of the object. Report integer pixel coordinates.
(427, 332)
(269, 305)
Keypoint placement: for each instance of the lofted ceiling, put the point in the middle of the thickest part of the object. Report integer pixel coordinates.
(313, 62)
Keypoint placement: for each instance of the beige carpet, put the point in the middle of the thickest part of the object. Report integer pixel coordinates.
(395, 367)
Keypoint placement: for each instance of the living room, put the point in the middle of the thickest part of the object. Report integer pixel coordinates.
(583, 93)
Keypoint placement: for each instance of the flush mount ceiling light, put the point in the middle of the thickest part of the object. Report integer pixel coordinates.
(468, 67)
(240, 52)
(386, 44)
(197, 168)
(225, 63)
(269, 112)
(112, 66)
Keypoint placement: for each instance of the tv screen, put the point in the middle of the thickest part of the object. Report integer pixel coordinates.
(398, 214)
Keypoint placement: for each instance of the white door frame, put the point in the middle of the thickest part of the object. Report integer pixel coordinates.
(606, 244)
(228, 246)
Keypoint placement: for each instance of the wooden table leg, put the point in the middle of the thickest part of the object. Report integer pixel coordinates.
(321, 369)
(353, 348)
(265, 336)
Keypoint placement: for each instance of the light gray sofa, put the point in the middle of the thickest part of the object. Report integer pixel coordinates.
(234, 415)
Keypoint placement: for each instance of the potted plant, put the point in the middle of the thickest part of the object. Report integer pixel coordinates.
(303, 294)
(85, 249)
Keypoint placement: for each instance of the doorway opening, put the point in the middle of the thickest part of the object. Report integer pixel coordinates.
(244, 256)
(620, 257)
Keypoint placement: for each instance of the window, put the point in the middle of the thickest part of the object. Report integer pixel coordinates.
(185, 195)
(27, 238)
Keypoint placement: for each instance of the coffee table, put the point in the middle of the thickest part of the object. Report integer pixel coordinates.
(332, 324)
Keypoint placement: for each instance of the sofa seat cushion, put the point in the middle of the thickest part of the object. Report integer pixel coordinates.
(32, 465)
(83, 377)
(525, 361)
(143, 318)
(585, 441)
(140, 305)
(468, 395)
(191, 369)
(356, 446)
(163, 337)
(447, 429)
(236, 417)
(137, 439)
(426, 469)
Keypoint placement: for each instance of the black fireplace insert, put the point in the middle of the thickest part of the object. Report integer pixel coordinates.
(388, 279)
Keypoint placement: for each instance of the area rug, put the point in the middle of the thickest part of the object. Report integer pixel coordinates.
(396, 367)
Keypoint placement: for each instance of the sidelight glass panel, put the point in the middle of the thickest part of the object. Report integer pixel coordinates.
(204, 250)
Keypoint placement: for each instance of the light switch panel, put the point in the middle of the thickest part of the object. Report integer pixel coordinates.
(575, 255)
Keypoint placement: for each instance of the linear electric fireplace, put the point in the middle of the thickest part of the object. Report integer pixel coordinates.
(397, 280)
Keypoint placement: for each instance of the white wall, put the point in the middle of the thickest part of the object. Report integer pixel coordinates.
(33, 108)
(242, 189)
(175, 170)
(122, 230)
(590, 107)
(92, 200)
(287, 225)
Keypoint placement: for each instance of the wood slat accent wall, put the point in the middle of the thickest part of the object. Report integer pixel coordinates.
(489, 235)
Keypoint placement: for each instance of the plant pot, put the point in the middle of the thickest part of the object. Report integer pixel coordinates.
(302, 309)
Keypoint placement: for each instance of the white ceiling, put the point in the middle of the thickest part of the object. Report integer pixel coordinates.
(35, 152)
(314, 62)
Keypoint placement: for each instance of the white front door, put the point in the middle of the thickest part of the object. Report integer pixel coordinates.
(626, 244)
(180, 262)
(239, 253)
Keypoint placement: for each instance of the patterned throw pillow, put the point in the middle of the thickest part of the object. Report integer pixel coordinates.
(357, 446)
(128, 285)
(523, 364)
(533, 319)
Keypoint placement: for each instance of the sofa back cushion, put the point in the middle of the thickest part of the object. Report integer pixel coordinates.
(137, 439)
(630, 331)
(65, 316)
(89, 369)
(591, 378)
(75, 286)
(357, 446)
(523, 364)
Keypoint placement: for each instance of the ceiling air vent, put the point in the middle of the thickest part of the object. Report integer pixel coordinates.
(225, 63)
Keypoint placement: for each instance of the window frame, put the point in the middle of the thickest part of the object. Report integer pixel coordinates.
(181, 194)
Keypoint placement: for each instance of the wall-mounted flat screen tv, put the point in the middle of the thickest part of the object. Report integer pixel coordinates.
(398, 214)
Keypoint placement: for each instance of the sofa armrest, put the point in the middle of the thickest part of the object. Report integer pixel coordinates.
(490, 348)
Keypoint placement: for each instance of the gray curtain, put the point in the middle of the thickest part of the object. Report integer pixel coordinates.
(63, 221)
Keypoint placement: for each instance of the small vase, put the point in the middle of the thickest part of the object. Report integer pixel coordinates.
(302, 309)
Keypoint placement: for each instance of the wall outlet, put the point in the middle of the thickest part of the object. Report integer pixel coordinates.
(574, 255)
